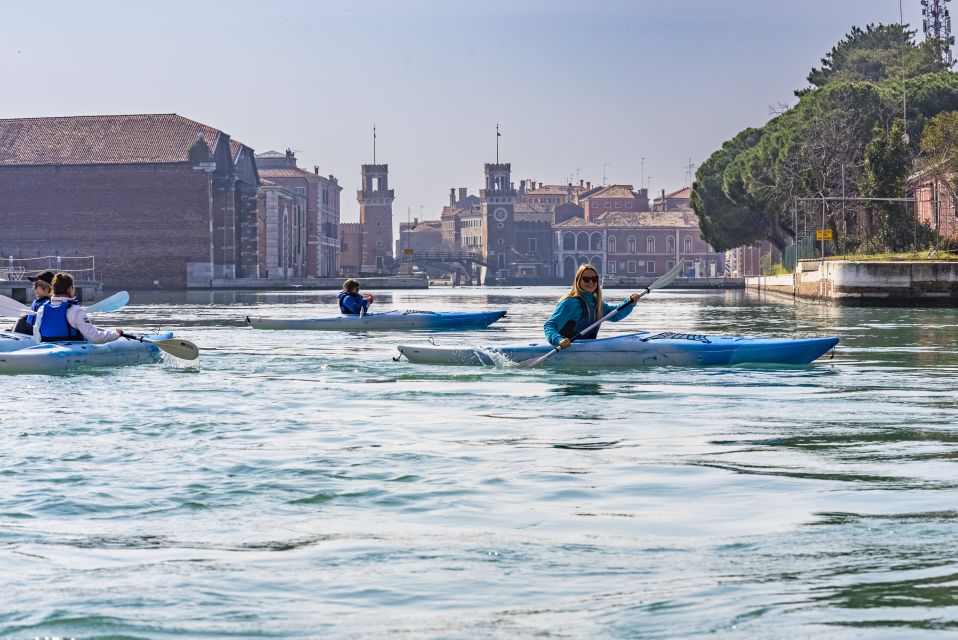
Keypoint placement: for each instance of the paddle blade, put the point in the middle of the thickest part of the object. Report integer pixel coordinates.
(182, 349)
(10, 308)
(667, 279)
(114, 303)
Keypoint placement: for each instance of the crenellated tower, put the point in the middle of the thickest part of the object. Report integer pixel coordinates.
(498, 200)
(376, 218)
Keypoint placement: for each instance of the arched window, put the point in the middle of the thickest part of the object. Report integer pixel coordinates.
(670, 244)
(688, 244)
(596, 242)
(650, 244)
(597, 263)
(631, 244)
(582, 242)
(568, 267)
(568, 241)
(583, 260)
(611, 244)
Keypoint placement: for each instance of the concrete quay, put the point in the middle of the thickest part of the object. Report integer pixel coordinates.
(335, 284)
(612, 282)
(866, 283)
(22, 290)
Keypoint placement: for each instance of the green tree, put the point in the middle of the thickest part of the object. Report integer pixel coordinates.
(887, 161)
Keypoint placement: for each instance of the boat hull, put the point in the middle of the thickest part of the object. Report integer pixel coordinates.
(55, 357)
(635, 350)
(13, 341)
(387, 321)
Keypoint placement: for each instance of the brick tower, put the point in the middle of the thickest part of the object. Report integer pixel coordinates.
(376, 218)
(497, 201)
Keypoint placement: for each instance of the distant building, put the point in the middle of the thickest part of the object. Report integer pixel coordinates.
(751, 261)
(675, 201)
(497, 222)
(282, 231)
(419, 236)
(613, 198)
(934, 204)
(322, 208)
(158, 199)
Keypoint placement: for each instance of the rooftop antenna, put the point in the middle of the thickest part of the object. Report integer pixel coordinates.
(642, 180)
(904, 94)
(374, 144)
(604, 165)
(689, 172)
(936, 22)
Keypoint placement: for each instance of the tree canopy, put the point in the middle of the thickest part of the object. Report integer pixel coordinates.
(837, 140)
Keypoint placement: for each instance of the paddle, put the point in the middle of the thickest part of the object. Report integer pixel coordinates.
(9, 306)
(658, 284)
(182, 349)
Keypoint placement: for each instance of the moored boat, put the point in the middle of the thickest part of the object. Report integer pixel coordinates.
(386, 321)
(634, 350)
(53, 357)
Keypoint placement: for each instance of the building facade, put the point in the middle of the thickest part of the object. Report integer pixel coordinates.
(158, 199)
(376, 217)
(282, 231)
(322, 194)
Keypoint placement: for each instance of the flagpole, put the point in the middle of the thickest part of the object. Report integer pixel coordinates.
(374, 144)
(497, 142)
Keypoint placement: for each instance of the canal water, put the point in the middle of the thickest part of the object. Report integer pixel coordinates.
(305, 485)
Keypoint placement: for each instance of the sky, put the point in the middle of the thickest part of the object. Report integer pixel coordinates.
(580, 89)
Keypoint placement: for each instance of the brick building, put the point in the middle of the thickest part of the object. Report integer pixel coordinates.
(322, 208)
(613, 198)
(675, 201)
(934, 204)
(158, 199)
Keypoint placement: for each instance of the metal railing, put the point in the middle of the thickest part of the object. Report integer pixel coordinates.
(82, 268)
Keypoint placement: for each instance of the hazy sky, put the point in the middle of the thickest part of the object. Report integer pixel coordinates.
(573, 85)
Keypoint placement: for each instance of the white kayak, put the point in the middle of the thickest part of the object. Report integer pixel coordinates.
(13, 341)
(387, 321)
(53, 357)
(634, 350)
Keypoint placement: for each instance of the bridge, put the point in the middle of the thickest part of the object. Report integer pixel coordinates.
(455, 261)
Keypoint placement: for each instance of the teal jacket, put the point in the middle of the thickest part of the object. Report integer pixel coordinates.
(570, 310)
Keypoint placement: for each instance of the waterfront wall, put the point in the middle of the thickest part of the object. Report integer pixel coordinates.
(855, 283)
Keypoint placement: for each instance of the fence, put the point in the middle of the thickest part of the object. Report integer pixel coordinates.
(82, 268)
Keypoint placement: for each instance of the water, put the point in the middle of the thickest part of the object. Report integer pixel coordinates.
(303, 485)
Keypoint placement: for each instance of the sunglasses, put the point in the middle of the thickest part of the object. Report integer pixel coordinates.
(588, 279)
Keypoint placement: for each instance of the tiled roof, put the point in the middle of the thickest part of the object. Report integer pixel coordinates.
(576, 223)
(682, 194)
(680, 219)
(271, 154)
(611, 191)
(530, 207)
(286, 172)
(152, 138)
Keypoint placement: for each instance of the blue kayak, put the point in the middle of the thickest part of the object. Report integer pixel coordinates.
(54, 357)
(634, 350)
(387, 321)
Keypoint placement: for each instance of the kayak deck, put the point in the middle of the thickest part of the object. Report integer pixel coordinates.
(635, 350)
(386, 321)
(54, 357)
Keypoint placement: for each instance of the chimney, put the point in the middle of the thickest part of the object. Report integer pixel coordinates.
(540, 185)
(581, 183)
(452, 196)
(522, 187)
(316, 169)
(588, 185)
(289, 153)
(663, 195)
(463, 192)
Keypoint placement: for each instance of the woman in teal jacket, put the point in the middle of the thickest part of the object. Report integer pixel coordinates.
(578, 309)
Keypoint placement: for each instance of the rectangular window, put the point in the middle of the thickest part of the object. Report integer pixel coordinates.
(632, 266)
(650, 267)
(379, 262)
(502, 259)
(301, 191)
(532, 245)
(669, 265)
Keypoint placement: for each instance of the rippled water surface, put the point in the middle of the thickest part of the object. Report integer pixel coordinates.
(305, 485)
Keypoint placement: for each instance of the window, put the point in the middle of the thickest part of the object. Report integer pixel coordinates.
(582, 241)
(611, 244)
(650, 267)
(532, 245)
(688, 244)
(618, 205)
(611, 267)
(669, 265)
(596, 242)
(631, 266)
(502, 259)
(631, 244)
(650, 245)
(500, 241)
(670, 245)
(379, 262)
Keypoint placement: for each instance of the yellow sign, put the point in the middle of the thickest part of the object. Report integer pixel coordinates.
(820, 232)
(408, 252)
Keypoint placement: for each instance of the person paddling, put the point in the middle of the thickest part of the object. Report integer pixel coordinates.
(581, 307)
(351, 303)
(43, 290)
(62, 319)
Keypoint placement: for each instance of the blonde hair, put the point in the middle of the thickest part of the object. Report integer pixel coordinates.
(575, 292)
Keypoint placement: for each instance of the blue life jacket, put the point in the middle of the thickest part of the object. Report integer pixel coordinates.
(55, 327)
(358, 302)
(25, 323)
(588, 317)
(39, 302)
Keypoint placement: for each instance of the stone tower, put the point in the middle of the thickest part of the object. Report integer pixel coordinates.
(498, 200)
(376, 218)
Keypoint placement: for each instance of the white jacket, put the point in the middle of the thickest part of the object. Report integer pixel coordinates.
(78, 318)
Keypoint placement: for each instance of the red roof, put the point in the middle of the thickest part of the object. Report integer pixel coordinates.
(152, 138)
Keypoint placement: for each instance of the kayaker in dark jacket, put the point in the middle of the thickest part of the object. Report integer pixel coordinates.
(43, 290)
(351, 303)
(578, 309)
